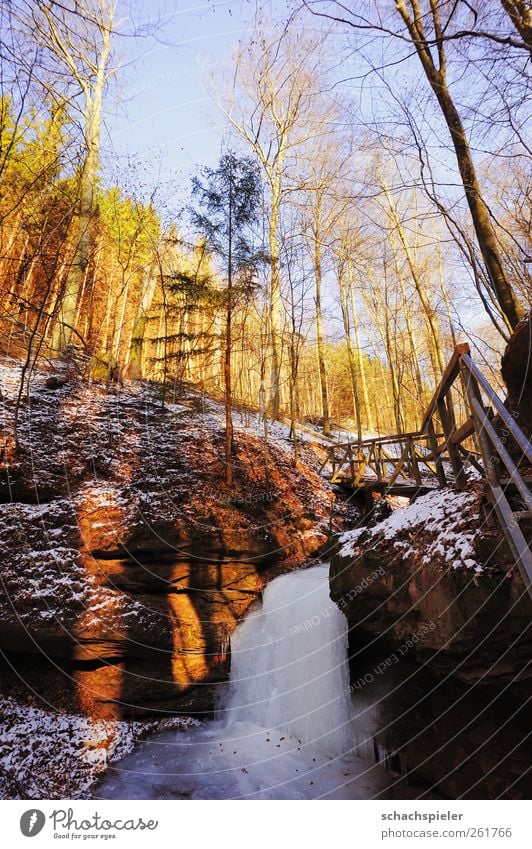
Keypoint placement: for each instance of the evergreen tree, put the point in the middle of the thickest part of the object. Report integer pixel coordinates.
(227, 201)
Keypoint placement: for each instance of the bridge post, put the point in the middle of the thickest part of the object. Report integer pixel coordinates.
(377, 454)
(351, 464)
(489, 458)
(413, 461)
(454, 454)
(433, 442)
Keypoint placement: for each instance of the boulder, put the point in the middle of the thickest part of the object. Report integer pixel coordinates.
(516, 368)
(417, 585)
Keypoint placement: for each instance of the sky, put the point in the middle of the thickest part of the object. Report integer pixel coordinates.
(158, 111)
(159, 117)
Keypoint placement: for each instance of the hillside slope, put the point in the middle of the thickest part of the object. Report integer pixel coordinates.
(125, 558)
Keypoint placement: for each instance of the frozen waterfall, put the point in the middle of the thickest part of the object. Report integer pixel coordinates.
(285, 730)
(289, 664)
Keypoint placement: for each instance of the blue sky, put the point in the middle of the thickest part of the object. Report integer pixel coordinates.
(159, 117)
(158, 111)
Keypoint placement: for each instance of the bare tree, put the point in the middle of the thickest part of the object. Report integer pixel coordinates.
(428, 27)
(75, 42)
(269, 100)
(323, 165)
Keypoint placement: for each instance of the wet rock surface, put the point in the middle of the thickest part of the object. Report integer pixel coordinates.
(440, 737)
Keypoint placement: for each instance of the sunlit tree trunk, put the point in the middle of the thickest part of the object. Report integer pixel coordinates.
(360, 356)
(410, 333)
(344, 303)
(319, 336)
(134, 360)
(275, 301)
(59, 42)
(435, 348)
(437, 77)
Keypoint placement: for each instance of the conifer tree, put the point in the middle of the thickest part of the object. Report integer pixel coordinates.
(227, 200)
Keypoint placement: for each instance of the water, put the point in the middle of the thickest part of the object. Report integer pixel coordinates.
(286, 729)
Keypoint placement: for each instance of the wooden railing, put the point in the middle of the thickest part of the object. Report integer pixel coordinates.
(382, 460)
(441, 451)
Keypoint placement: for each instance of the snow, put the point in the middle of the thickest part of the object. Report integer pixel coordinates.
(349, 541)
(93, 464)
(44, 577)
(278, 432)
(446, 521)
(44, 754)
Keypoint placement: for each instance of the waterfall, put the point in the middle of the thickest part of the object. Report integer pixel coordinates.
(285, 729)
(289, 664)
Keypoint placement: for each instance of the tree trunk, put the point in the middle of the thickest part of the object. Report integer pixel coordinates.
(117, 339)
(435, 350)
(350, 354)
(361, 365)
(410, 333)
(509, 304)
(275, 307)
(93, 110)
(228, 344)
(319, 340)
(134, 361)
(520, 14)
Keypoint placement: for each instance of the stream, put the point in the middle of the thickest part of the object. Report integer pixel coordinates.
(287, 726)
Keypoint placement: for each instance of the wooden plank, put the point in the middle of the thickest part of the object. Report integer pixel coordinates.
(398, 468)
(467, 429)
(460, 433)
(449, 376)
(382, 440)
(344, 458)
(454, 456)
(513, 471)
(433, 442)
(362, 463)
(338, 463)
(413, 462)
(491, 472)
(506, 416)
(426, 460)
(329, 451)
(351, 463)
(470, 459)
(514, 535)
(378, 461)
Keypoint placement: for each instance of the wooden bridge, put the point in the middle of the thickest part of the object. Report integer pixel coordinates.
(443, 452)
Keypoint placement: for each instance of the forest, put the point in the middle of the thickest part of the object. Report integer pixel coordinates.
(265, 386)
(389, 213)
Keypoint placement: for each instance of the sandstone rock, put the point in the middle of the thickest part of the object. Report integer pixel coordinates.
(516, 367)
(470, 622)
(128, 582)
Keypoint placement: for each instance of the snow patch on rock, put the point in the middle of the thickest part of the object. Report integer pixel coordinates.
(444, 523)
(46, 755)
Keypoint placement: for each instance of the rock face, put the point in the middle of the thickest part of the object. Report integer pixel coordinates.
(126, 562)
(432, 583)
(516, 366)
